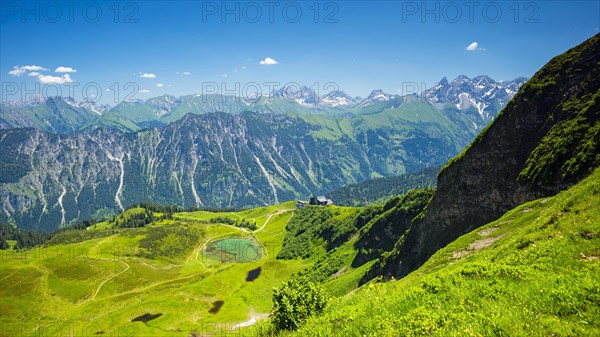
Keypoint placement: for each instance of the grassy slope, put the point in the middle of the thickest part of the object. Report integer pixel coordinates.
(326, 237)
(134, 112)
(100, 279)
(112, 120)
(533, 272)
(55, 115)
(402, 119)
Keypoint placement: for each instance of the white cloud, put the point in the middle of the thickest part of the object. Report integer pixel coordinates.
(235, 70)
(474, 47)
(66, 78)
(243, 67)
(144, 91)
(34, 73)
(65, 70)
(183, 73)
(224, 75)
(268, 61)
(20, 70)
(160, 85)
(147, 75)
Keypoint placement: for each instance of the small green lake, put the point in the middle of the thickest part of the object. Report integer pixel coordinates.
(235, 250)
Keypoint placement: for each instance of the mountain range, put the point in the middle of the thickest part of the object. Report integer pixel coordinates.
(78, 161)
(64, 115)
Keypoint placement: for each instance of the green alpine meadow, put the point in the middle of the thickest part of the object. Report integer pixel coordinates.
(197, 168)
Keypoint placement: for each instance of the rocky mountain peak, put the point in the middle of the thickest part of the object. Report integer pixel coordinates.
(479, 94)
(337, 98)
(300, 94)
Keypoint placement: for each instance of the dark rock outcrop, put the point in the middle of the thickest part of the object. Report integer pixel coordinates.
(544, 141)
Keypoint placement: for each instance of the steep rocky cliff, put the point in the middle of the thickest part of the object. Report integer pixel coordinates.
(545, 140)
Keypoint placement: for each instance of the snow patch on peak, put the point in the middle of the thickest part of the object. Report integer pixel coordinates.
(337, 98)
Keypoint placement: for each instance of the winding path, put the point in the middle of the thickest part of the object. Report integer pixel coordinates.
(137, 290)
(104, 282)
(195, 253)
(279, 211)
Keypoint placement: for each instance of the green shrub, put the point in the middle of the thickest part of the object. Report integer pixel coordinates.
(223, 220)
(294, 302)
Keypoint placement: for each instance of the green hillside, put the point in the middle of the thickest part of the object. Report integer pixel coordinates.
(533, 272)
(191, 269)
(112, 120)
(55, 114)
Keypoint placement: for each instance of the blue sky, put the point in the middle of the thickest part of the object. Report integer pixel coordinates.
(356, 45)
